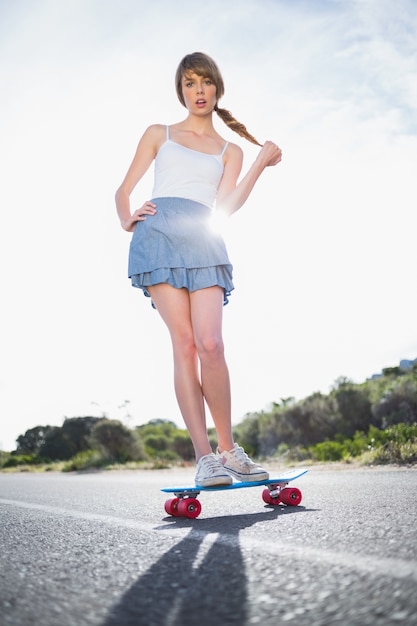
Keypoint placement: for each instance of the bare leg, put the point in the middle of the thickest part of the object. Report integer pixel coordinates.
(175, 309)
(195, 325)
(206, 316)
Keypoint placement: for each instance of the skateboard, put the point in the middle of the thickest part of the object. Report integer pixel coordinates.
(186, 503)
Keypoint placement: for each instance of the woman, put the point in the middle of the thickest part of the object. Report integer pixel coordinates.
(182, 264)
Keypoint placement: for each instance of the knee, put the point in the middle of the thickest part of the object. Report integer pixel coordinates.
(185, 348)
(210, 348)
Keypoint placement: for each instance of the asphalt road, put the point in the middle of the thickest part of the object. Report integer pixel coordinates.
(99, 550)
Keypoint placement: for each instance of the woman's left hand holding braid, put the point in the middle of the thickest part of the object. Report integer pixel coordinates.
(270, 154)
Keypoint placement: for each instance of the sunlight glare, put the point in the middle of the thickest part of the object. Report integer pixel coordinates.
(218, 221)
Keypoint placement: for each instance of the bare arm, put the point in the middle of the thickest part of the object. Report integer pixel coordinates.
(232, 195)
(145, 153)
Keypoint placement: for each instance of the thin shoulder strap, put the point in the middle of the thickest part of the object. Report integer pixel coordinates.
(224, 148)
(168, 137)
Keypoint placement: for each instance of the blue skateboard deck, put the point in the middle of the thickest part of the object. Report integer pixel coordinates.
(186, 503)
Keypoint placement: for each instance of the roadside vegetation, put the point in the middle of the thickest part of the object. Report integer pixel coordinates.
(371, 423)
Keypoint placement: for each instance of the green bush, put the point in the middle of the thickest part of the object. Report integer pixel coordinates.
(156, 445)
(298, 454)
(393, 452)
(4, 456)
(182, 446)
(398, 445)
(329, 451)
(84, 460)
(15, 460)
(356, 446)
(402, 433)
(116, 442)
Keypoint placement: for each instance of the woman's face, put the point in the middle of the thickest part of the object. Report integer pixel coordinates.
(199, 93)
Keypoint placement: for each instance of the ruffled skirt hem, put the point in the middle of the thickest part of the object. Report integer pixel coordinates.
(191, 279)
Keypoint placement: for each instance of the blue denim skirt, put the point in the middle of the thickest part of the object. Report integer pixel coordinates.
(178, 246)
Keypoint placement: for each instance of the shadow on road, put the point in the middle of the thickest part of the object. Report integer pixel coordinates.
(200, 580)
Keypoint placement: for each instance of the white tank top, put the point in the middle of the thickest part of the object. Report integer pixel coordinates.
(181, 172)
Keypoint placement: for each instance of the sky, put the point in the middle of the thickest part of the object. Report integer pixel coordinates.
(323, 250)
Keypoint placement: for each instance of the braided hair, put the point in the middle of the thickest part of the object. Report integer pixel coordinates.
(202, 65)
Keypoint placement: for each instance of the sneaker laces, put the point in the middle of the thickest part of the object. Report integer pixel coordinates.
(210, 462)
(242, 456)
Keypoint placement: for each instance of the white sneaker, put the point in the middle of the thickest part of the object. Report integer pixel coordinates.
(239, 465)
(210, 472)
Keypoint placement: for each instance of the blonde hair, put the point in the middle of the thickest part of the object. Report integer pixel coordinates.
(203, 65)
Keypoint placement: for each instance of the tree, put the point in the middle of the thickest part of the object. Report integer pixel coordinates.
(116, 442)
(63, 442)
(33, 440)
(182, 445)
(77, 431)
(56, 446)
(247, 433)
(355, 409)
(156, 445)
(398, 404)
